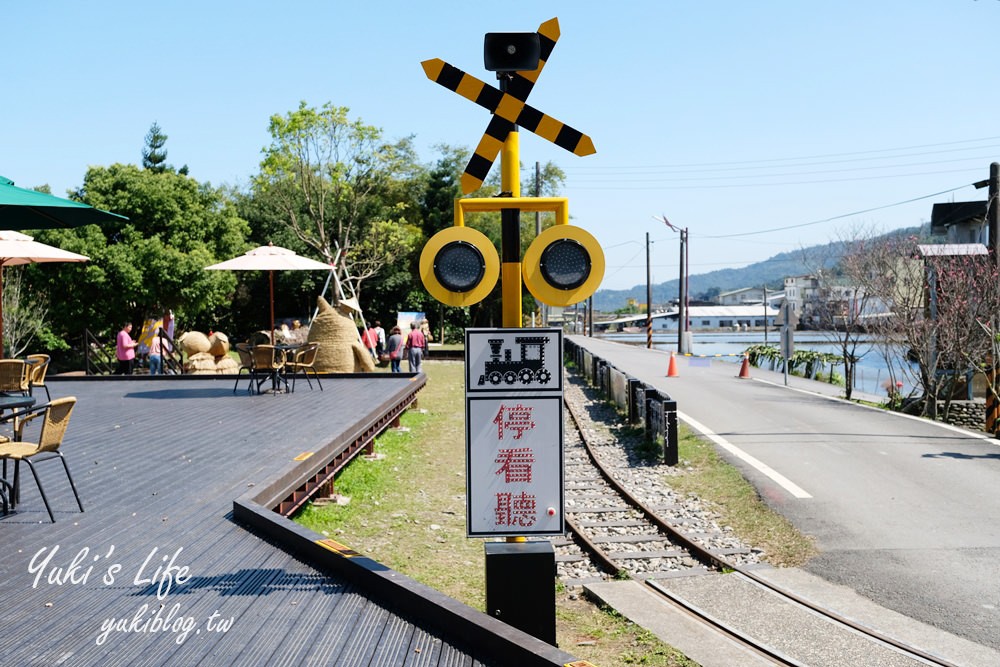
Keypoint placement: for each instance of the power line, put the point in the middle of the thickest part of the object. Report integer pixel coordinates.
(978, 159)
(596, 186)
(719, 165)
(836, 217)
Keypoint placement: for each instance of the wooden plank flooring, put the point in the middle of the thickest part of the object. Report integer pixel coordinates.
(157, 572)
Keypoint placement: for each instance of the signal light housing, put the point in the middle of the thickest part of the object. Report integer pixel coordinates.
(563, 265)
(459, 266)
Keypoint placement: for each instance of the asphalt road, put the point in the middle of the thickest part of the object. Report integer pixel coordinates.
(905, 511)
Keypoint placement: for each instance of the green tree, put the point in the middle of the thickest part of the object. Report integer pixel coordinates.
(334, 182)
(442, 188)
(154, 155)
(24, 313)
(153, 262)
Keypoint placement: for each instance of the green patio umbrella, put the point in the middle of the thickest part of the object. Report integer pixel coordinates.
(27, 209)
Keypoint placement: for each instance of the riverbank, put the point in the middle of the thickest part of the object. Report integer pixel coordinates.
(872, 371)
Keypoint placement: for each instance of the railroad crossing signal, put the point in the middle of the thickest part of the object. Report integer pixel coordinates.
(509, 108)
(459, 266)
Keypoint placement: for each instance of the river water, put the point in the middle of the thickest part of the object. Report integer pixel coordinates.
(872, 371)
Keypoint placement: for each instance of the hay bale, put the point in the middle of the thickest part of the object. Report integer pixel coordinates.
(226, 365)
(194, 342)
(336, 334)
(200, 363)
(218, 344)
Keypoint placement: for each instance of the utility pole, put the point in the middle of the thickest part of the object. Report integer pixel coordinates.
(684, 347)
(993, 212)
(649, 301)
(543, 308)
(765, 313)
(682, 296)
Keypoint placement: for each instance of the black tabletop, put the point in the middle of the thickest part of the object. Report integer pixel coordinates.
(8, 402)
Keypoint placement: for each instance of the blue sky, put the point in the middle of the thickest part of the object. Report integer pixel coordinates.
(760, 126)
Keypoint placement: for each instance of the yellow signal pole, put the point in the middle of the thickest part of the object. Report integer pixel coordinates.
(510, 228)
(510, 239)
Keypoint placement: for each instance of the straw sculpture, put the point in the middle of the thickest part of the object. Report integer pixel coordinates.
(218, 344)
(207, 355)
(340, 351)
(200, 363)
(194, 342)
(226, 365)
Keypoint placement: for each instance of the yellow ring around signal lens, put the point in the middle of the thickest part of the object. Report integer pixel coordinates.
(491, 270)
(547, 293)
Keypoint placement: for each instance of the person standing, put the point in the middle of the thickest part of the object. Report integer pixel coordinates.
(368, 340)
(372, 343)
(155, 355)
(416, 346)
(380, 342)
(394, 346)
(125, 350)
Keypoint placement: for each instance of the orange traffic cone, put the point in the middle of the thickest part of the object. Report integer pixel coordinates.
(745, 368)
(672, 367)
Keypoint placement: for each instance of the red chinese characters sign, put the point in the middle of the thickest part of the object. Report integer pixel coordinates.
(514, 435)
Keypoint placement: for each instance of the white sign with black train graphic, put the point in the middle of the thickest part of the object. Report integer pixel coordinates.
(508, 360)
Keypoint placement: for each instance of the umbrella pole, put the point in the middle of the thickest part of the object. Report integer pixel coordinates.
(270, 333)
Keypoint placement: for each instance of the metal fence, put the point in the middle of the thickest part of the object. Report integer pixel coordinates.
(642, 404)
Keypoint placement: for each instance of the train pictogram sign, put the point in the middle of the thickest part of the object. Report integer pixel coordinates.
(513, 360)
(526, 369)
(509, 108)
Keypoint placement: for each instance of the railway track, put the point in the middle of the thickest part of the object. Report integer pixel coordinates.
(642, 531)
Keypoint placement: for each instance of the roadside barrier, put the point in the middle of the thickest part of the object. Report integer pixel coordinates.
(642, 404)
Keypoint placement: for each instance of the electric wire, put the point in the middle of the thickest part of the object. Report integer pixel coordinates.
(832, 218)
(711, 166)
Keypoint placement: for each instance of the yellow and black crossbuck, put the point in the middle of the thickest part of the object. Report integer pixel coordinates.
(509, 108)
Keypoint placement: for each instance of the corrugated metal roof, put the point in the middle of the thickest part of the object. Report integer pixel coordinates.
(730, 311)
(951, 249)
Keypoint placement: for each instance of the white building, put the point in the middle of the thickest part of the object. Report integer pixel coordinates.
(721, 317)
(749, 296)
(699, 317)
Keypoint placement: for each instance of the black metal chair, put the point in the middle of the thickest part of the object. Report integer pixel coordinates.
(268, 362)
(305, 361)
(38, 366)
(15, 376)
(246, 364)
(55, 420)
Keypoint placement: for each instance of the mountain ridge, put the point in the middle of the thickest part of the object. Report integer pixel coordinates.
(771, 272)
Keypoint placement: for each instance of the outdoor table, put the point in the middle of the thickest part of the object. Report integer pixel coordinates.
(12, 403)
(277, 374)
(288, 349)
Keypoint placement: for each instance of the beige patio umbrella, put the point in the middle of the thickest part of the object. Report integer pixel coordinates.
(270, 258)
(17, 248)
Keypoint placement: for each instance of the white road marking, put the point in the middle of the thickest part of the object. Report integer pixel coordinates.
(775, 476)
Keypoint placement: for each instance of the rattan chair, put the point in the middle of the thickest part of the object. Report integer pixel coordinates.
(15, 377)
(268, 362)
(37, 371)
(305, 361)
(55, 420)
(246, 364)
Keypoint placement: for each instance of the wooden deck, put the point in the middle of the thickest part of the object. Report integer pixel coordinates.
(179, 558)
